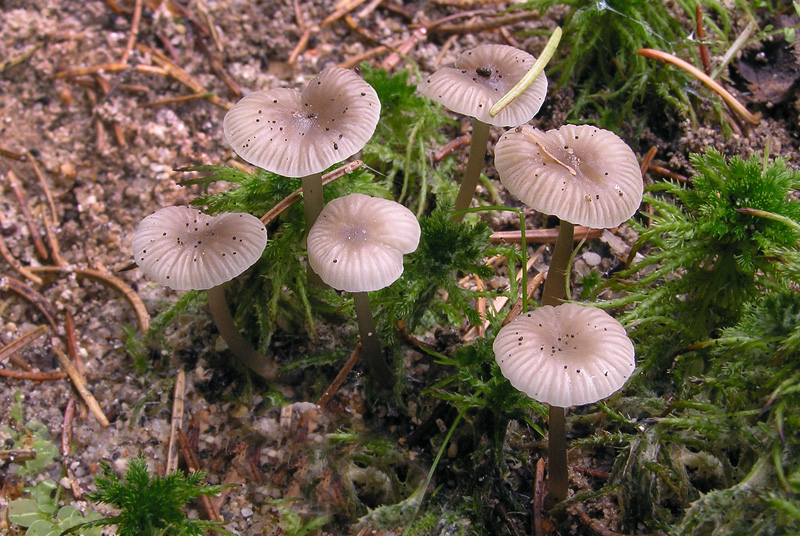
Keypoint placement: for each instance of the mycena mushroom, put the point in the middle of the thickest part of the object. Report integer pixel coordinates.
(357, 245)
(480, 78)
(568, 355)
(582, 174)
(300, 134)
(184, 249)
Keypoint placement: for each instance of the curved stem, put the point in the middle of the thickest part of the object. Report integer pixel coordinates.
(258, 363)
(477, 151)
(531, 75)
(370, 345)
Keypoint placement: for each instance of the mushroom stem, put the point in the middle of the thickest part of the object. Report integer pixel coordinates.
(370, 346)
(313, 202)
(312, 197)
(555, 286)
(258, 363)
(477, 152)
(557, 457)
(554, 293)
(538, 66)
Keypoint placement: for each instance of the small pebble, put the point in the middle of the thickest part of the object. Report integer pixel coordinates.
(591, 258)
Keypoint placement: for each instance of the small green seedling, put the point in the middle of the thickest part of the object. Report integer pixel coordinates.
(151, 505)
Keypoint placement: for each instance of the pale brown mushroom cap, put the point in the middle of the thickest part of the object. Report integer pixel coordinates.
(605, 189)
(358, 242)
(297, 134)
(480, 78)
(568, 355)
(184, 249)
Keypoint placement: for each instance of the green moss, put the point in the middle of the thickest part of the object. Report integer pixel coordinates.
(599, 57)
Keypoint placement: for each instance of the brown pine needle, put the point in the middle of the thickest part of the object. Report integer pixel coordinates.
(19, 193)
(17, 267)
(543, 236)
(137, 17)
(176, 423)
(80, 386)
(337, 382)
(110, 281)
(737, 107)
(21, 342)
(26, 292)
(648, 159)
(32, 376)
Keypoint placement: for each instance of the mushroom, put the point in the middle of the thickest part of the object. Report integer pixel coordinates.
(582, 174)
(357, 245)
(480, 78)
(184, 249)
(300, 134)
(567, 355)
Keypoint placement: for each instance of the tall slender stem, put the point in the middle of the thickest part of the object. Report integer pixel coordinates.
(557, 456)
(313, 202)
(477, 152)
(312, 197)
(370, 345)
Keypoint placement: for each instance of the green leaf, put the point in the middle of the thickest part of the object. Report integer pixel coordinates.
(42, 527)
(24, 512)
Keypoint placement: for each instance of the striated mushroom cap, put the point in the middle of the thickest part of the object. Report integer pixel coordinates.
(184, 249)
(295, 133)
(358, 242)
(568, 355)
(481, 77)
(580, 173)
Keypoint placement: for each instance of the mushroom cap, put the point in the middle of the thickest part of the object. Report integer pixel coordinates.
(567, 355)
(358, 241)
(605, 189)
(184, 249)
(295, 133)
(480, 78)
